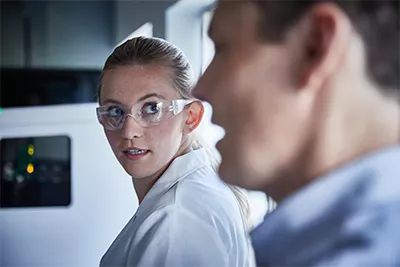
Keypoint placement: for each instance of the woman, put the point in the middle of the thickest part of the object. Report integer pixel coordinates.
(186, 215)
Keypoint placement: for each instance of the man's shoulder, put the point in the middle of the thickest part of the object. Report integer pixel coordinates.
(368, 236)
(351, 212)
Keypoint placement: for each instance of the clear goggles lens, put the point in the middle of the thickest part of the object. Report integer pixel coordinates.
(146, 113)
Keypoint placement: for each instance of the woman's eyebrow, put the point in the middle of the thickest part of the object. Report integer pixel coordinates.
(151, 95)
(146, 96)
(112, 101)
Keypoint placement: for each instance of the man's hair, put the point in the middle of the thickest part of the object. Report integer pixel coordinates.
(377, 22)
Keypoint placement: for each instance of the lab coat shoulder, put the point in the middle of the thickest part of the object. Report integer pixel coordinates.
(208, 198)
(173, 236)
(195, 223)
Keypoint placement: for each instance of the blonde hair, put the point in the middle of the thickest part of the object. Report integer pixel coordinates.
(155, 51)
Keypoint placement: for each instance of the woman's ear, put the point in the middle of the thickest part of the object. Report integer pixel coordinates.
(195, 115)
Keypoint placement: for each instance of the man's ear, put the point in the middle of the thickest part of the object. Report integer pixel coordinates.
(195, 115)
(325, 41)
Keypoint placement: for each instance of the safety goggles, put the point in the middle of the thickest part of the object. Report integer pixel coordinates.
(145, 113)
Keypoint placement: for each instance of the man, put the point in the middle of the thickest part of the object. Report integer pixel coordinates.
(308, 93)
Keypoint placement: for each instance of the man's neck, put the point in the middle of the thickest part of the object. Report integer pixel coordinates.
(342, 137)
(361, 130)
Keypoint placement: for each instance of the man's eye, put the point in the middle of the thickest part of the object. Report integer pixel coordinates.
(115, 112)
(151, 108)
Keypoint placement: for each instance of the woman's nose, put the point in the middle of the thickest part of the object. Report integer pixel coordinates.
(131, 129)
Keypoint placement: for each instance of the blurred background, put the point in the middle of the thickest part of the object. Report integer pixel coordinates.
(63, 195)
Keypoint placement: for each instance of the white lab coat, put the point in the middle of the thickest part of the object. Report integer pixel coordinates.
(188, 218)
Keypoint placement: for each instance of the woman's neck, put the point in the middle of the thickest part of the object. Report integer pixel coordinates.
(143, 185)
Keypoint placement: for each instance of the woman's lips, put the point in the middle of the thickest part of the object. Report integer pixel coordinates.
(131, 154)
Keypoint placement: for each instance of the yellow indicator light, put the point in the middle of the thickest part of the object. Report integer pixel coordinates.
(31, 150)
(30, 169)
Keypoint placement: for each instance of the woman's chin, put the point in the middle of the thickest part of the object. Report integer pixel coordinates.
(137, 172)
(135, 169)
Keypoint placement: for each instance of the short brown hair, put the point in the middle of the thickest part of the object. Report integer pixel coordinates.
(377, 22)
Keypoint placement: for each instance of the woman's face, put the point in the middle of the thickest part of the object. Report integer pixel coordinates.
(143, 152)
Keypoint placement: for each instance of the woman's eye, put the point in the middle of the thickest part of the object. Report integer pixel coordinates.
(151, 108)
(115, 112)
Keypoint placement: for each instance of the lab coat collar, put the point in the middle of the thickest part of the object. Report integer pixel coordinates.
(180, 168)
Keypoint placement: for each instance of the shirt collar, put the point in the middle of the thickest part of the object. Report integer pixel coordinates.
(374, 169)
(371, 179)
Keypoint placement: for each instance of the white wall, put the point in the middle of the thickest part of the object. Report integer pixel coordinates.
(103, 199)
(184, 24)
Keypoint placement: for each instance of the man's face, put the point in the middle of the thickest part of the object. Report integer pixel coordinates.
(252, 86)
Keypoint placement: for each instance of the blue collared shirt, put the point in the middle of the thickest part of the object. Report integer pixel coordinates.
(350, 217)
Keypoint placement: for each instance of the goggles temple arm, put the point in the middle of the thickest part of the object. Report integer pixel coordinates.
(179, 104)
